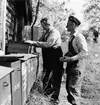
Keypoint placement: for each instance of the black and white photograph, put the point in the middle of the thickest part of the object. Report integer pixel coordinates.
(49, 52)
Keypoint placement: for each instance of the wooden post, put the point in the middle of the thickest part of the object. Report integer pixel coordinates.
(3, 25)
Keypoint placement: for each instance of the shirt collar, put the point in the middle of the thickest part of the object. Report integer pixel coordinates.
(75, 33)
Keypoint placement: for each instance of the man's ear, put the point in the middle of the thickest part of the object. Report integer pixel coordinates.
(74, 25)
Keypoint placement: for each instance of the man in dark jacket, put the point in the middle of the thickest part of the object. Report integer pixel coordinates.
(75, 58)
(52, 52)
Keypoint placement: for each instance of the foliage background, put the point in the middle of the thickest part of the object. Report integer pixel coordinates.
(58, 12)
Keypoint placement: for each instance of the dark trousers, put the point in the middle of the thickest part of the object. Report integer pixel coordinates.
(57, 76)
(54, 71)
(73, 86)
(46, 69)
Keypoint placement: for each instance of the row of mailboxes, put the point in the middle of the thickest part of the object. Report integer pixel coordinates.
(29, 70)
(22, 78)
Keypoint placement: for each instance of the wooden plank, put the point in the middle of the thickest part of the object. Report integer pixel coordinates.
(3, 30)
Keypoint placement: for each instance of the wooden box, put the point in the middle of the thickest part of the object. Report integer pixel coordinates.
(5, 85)
(15, 78)
(18, 48)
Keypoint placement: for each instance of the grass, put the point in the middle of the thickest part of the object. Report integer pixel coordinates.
(91, 81)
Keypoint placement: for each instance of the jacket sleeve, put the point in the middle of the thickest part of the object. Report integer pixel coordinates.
(53, 37)
(82, 48)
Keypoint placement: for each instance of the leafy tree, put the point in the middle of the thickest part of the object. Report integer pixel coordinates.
(92, 13)
(56, 11)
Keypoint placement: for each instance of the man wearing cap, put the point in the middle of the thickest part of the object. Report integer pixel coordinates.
(51, 44)
(75, 58)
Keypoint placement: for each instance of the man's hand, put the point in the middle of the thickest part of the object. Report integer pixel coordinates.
(66, 59)
(30, 42)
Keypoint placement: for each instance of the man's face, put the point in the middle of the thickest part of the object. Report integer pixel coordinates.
(44, 26)
(70, 25)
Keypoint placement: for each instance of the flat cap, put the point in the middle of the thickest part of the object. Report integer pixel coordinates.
(75, 20)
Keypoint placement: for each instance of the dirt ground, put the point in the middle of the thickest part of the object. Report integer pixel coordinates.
(90, 92)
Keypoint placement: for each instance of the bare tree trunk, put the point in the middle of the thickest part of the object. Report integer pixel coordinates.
(37, 9)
